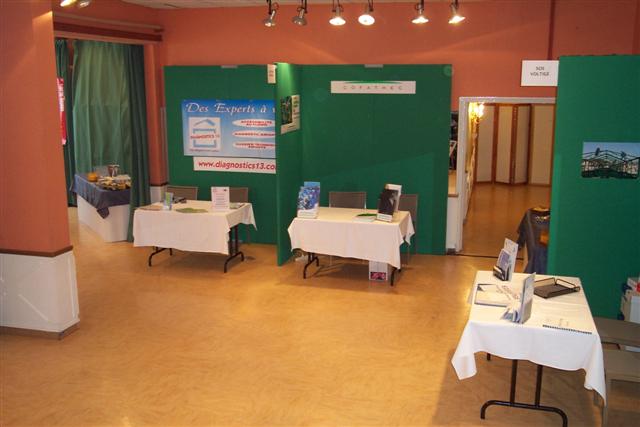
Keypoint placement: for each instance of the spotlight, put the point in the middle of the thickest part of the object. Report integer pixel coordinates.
(455, 16)
(337, 18)
(84, 3)
(270, 20)
(65, 3)
(366, 18)
(420, 18)
(302, 10)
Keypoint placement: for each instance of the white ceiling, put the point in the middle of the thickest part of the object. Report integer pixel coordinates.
(184, 4)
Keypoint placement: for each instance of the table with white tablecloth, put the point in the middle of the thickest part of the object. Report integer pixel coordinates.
(560, 333)
(336, 232)
(210, 231)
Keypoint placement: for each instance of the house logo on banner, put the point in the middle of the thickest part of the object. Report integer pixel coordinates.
(230, 135)
(204, 133)
(400, 87)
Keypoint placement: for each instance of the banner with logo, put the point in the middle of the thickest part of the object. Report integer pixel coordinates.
(229, 128)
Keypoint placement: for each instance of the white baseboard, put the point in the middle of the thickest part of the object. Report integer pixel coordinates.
(38, 293)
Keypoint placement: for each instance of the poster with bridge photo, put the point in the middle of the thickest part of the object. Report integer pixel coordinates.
(610, 160)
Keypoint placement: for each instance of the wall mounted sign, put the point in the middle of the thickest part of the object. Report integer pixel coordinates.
(243, 129)
(290, 113)
(610, 160)
(234, 164)
(539, 73)
(384, 87)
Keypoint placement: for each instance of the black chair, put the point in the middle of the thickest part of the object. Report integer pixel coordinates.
(348, 199)
(619, 365)
(188, 192)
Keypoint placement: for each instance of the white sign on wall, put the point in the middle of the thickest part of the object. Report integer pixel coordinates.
(539, 73)
(375, 87)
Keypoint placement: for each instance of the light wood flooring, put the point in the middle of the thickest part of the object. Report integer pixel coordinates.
(182, 344)
(495, 212)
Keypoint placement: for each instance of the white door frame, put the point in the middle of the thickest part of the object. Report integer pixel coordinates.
(461, 178)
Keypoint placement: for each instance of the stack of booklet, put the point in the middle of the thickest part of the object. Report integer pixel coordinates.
(309, 200)
(388, 202)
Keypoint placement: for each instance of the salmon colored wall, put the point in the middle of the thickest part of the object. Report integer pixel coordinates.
(33, 212)
(589, 27)
(485, 50)
(111, 9)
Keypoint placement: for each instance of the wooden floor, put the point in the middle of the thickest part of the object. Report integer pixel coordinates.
(182, 344)
(495, 212)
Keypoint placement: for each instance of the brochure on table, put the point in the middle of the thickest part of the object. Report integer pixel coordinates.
(519, 311)
(308, 200)
(506, 264)
(220, 198)
(388, 202)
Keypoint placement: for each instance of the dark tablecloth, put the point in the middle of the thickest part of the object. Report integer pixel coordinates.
(529, 232)
(99, 197)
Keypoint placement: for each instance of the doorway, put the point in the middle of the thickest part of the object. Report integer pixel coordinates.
(509, 160)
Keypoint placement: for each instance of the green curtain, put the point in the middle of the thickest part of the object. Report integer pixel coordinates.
(64, 72)
(134, 61)
(101, 116)
(109, 113)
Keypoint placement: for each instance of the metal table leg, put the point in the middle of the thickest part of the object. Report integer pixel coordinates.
(234, 246)
(311, 257)
(512, 397)
(157, 250)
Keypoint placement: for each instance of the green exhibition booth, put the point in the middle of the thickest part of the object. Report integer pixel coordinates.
(347, 142)
(359, 142)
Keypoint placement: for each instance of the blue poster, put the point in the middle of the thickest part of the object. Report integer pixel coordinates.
(229, 128)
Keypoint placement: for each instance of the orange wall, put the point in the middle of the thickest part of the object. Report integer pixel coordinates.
(486, 50)
(33, 213)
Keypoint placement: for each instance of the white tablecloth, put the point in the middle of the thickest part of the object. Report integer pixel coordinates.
(561, 349)
(197, 232)
(335, 232)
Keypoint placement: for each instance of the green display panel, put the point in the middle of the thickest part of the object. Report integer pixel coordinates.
(359, 142)
(595, 222)
(214, 82)
(288, 160)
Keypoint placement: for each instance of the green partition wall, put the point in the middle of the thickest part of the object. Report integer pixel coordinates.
(346, 141)
(359, 142)
(595, 222)
(215, 82)
(288, 160)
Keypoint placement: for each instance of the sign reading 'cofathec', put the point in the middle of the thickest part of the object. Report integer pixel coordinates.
(385, 87)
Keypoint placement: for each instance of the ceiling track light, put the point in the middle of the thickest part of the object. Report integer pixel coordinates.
(420, 18)
(270, 20)
(65, 3)
(84, 3)
(337, 10)
(299, 19)
(78, 3)
(456, 18)
(366, 18)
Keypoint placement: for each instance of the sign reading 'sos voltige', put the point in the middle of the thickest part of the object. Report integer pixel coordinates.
(385, 87)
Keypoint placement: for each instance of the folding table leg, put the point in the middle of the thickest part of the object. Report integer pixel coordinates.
(234, 246)
(512, 397)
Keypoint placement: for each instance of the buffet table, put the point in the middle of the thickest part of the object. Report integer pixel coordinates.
(105, 211)
(336, 232)
(560, 333)
(210, 231)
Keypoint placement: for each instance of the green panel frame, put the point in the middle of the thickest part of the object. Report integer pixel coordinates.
(215, 82)
(288, 160)
(359, 142)
(595, 223)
